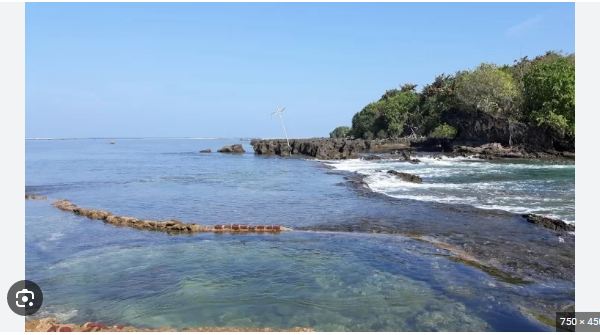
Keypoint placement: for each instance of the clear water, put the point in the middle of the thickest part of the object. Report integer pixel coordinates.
(327, 281)
(518, 186)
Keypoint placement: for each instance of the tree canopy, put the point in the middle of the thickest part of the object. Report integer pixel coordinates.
(386, 117)
(488, 89)
(549, 93)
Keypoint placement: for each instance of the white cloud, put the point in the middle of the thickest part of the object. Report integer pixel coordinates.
(524, 26)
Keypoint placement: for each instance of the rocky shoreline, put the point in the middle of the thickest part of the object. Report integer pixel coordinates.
(346, 148)
(515, 249)
(53, 325)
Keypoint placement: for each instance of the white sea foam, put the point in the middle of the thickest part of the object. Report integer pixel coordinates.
(62, 315)
(471, 181)
(55, 236)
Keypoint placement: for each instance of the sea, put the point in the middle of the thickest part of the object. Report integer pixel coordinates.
(323, 280)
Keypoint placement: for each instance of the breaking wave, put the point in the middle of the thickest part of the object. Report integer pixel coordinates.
(515, 186)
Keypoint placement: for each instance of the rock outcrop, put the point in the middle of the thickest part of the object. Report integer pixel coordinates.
(232, 149)
(411, 178)
(471, 142)
(478, 128)
(327, 148)
(492, 150)
(168, 226)
(549, 223)
(497, 150)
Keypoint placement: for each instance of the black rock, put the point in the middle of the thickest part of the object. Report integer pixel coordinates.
(232, 149)
(406, 176)
(371, 158)
(553, 224)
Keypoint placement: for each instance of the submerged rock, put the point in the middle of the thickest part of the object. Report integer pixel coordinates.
(406, 157)
(554, 224)
(232, 149)
(411, 178)
(35, 197)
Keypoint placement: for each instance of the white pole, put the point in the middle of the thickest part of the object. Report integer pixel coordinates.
(279, 112)
(285, 132)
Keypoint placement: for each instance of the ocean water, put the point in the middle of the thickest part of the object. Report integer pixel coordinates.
(324, 280)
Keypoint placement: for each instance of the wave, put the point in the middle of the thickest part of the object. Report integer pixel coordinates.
(506, 186)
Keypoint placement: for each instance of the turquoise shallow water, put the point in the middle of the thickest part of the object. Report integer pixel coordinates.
(328, 281)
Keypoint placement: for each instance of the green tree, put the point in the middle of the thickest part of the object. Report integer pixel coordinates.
(436, 98)
(366, 121)
(388, 114)
(488, 89)
(397, 109)
(549, 92)
(340, 132)
(520, 68)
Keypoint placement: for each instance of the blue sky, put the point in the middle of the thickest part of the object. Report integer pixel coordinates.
(219, 70)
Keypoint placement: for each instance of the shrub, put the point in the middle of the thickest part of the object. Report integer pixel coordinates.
(340, 132)
(382, 134)
(444, 130)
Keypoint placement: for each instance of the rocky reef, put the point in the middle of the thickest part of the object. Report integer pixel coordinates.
(168, 226)
(53, 325)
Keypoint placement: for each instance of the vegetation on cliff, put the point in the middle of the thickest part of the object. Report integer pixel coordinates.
(536, 93)
(340, 132)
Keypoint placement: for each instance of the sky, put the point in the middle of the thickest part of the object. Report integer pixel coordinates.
(220, 70)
